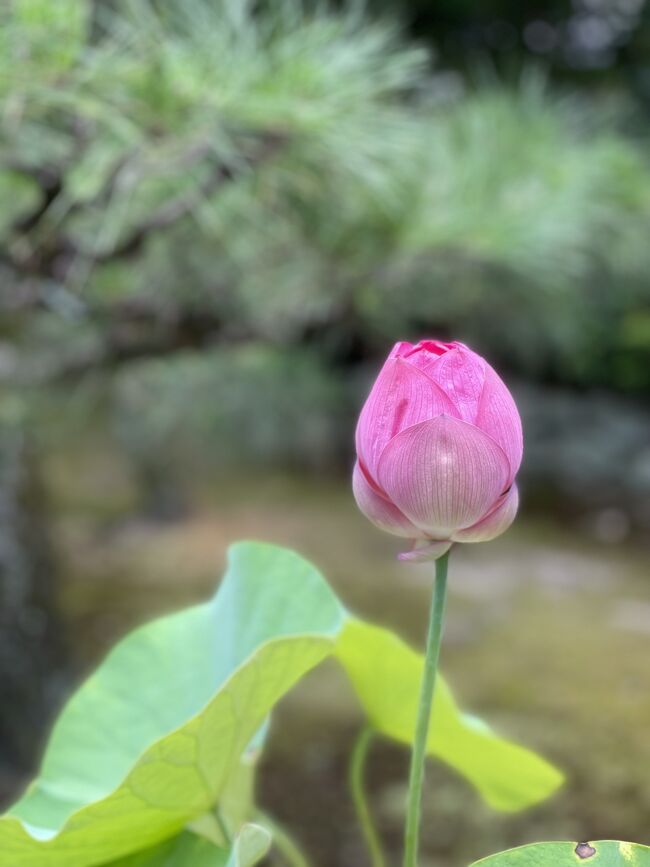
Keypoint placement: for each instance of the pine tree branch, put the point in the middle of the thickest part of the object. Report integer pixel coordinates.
(174, 210)
(53, 260)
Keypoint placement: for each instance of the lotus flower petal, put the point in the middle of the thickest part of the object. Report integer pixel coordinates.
(443, 474)
(379, 510)
(460, 373)
(439, 442)
(402, 396)
(497, 521)
(422, 355)
(498, 416)
(423, 553)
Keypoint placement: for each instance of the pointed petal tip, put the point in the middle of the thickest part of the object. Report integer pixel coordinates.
(425, 553)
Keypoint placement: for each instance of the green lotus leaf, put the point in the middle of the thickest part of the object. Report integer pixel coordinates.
(386, 675)
(192, 850)
(159, 736)
(602, 853)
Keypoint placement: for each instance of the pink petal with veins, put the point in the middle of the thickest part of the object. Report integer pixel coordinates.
(460, 373)
(379, 510)
(402, 396)
(497, 521)
(422, 354)
(422, 553)
(498, 416)
(443, 474)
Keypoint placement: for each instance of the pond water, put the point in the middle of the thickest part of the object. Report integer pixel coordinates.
(548, 638)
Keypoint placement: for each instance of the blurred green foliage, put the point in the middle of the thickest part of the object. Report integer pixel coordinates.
(180, 178)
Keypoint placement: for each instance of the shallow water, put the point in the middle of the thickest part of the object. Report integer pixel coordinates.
(548, 638)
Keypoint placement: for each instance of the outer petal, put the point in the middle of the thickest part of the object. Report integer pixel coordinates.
(401, 396)
(421, 553)
(379, 510)
(497, 521)
(460, 373)
(443, 474)
(498, 416)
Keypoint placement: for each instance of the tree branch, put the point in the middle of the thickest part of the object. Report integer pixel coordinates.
(143, 328)
(173, 211)
(124, 332)
(50, 185)
(53, 261)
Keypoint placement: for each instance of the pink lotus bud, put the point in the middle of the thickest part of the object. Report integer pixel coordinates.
(439, 443)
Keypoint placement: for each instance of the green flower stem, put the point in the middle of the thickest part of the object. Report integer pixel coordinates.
(427, 688)
(283, 841)
(357, 788)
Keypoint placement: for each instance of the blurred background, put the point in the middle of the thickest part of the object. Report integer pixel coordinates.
(216, 216)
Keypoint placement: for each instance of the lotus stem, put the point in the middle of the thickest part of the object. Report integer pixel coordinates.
(359, 798)
(427, 691)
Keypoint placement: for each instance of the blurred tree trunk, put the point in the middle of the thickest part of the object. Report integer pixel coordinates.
(31, 654)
